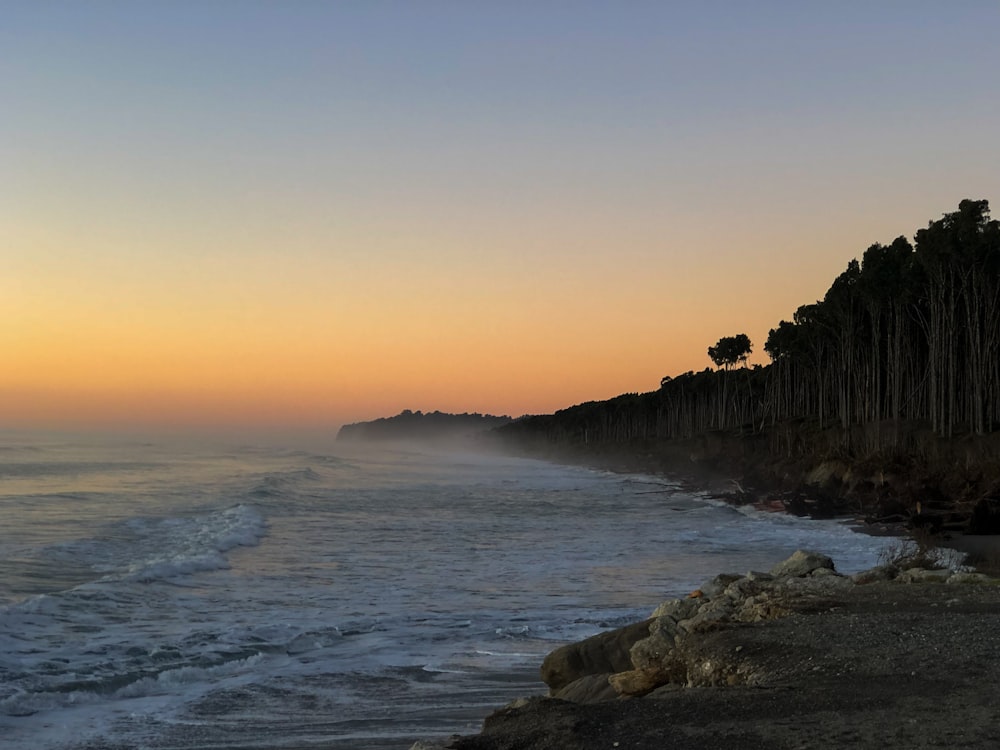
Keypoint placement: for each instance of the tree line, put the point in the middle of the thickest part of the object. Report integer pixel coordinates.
(418, 425)
(907, 335)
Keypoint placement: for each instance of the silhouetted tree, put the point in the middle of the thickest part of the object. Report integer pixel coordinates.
(730, 349)
(911, 332)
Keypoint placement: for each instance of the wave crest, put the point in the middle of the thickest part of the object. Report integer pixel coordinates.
(193, 545)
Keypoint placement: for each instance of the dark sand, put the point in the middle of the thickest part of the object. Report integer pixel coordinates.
(884, 665)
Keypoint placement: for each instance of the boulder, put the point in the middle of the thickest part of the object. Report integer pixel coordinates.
(603, 653)
(814, 585)
(718, 584)
(637, 682)
(742, 588)
(710, 615)
(963, 576)
(821, 572)
(593, 688)
(801, 563)
(678, 609)
(923, 575)
(654, 651)
(874, 575)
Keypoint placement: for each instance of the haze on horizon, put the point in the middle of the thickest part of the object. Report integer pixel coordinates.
(304, 214)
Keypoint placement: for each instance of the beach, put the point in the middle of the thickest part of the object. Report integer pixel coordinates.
(165, 595)
(861, 663)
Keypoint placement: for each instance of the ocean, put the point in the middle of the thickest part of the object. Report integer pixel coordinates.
(171, 593)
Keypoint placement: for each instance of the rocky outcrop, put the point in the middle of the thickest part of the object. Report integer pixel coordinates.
(897, 657)
(641, 658)
(666, 649)
(602, 654)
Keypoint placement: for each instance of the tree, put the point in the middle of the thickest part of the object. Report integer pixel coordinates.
(960, 255)
(727, 352)
(730, 350)
(785, 390)
(888, 288)
(841, 306)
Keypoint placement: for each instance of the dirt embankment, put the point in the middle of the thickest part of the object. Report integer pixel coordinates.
(900, 474)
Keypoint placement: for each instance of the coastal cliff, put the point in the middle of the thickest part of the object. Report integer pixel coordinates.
(797, 657)
(947, 485)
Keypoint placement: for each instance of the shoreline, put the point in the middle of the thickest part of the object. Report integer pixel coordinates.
(823, 498)
(924, 481)
(800, 657)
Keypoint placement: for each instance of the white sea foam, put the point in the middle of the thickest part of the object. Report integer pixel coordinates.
(186, 546)
(380, 590)
(170, 680)
(24, 703)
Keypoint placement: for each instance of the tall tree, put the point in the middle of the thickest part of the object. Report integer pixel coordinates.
(886, 290)
(730, 350)
(727, 352)
(960, 255)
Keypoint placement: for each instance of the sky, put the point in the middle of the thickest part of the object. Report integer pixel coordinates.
(307, 213)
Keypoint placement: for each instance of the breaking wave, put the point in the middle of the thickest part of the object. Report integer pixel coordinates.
(184, 546)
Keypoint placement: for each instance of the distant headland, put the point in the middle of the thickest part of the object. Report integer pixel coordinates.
(417, 425)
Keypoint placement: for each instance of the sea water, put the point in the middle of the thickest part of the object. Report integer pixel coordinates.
(185, 594)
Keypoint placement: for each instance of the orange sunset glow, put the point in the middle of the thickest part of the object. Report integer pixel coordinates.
(331, 215)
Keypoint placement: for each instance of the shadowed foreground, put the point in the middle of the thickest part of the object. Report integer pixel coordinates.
(886, 664)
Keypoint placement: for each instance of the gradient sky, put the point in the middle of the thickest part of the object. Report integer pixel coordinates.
(280, 213)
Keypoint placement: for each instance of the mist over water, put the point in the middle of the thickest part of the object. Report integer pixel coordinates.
(167, 594)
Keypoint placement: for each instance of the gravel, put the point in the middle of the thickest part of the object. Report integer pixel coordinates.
(883, 665)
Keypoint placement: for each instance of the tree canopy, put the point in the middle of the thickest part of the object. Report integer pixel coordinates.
(731, 349)
(910, 332)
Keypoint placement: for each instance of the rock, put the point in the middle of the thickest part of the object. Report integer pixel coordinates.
(815, 585)
(821, 572)
(593, 688)
(678, 609)
(655, 659)
(600, 654)
(742, 588)
(518, 703)
(718, 584)
(664, 627)
(709, 616)
(637, 681)
(874, 575)
(801, 563)
(520, 706)
(967, 577)
(923, 575)
(706, 673)
(758, 608)
(890, 666)
(652, 652)
(849, 650)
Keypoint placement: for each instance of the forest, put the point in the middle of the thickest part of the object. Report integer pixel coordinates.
(418, 425)
(904, 339)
